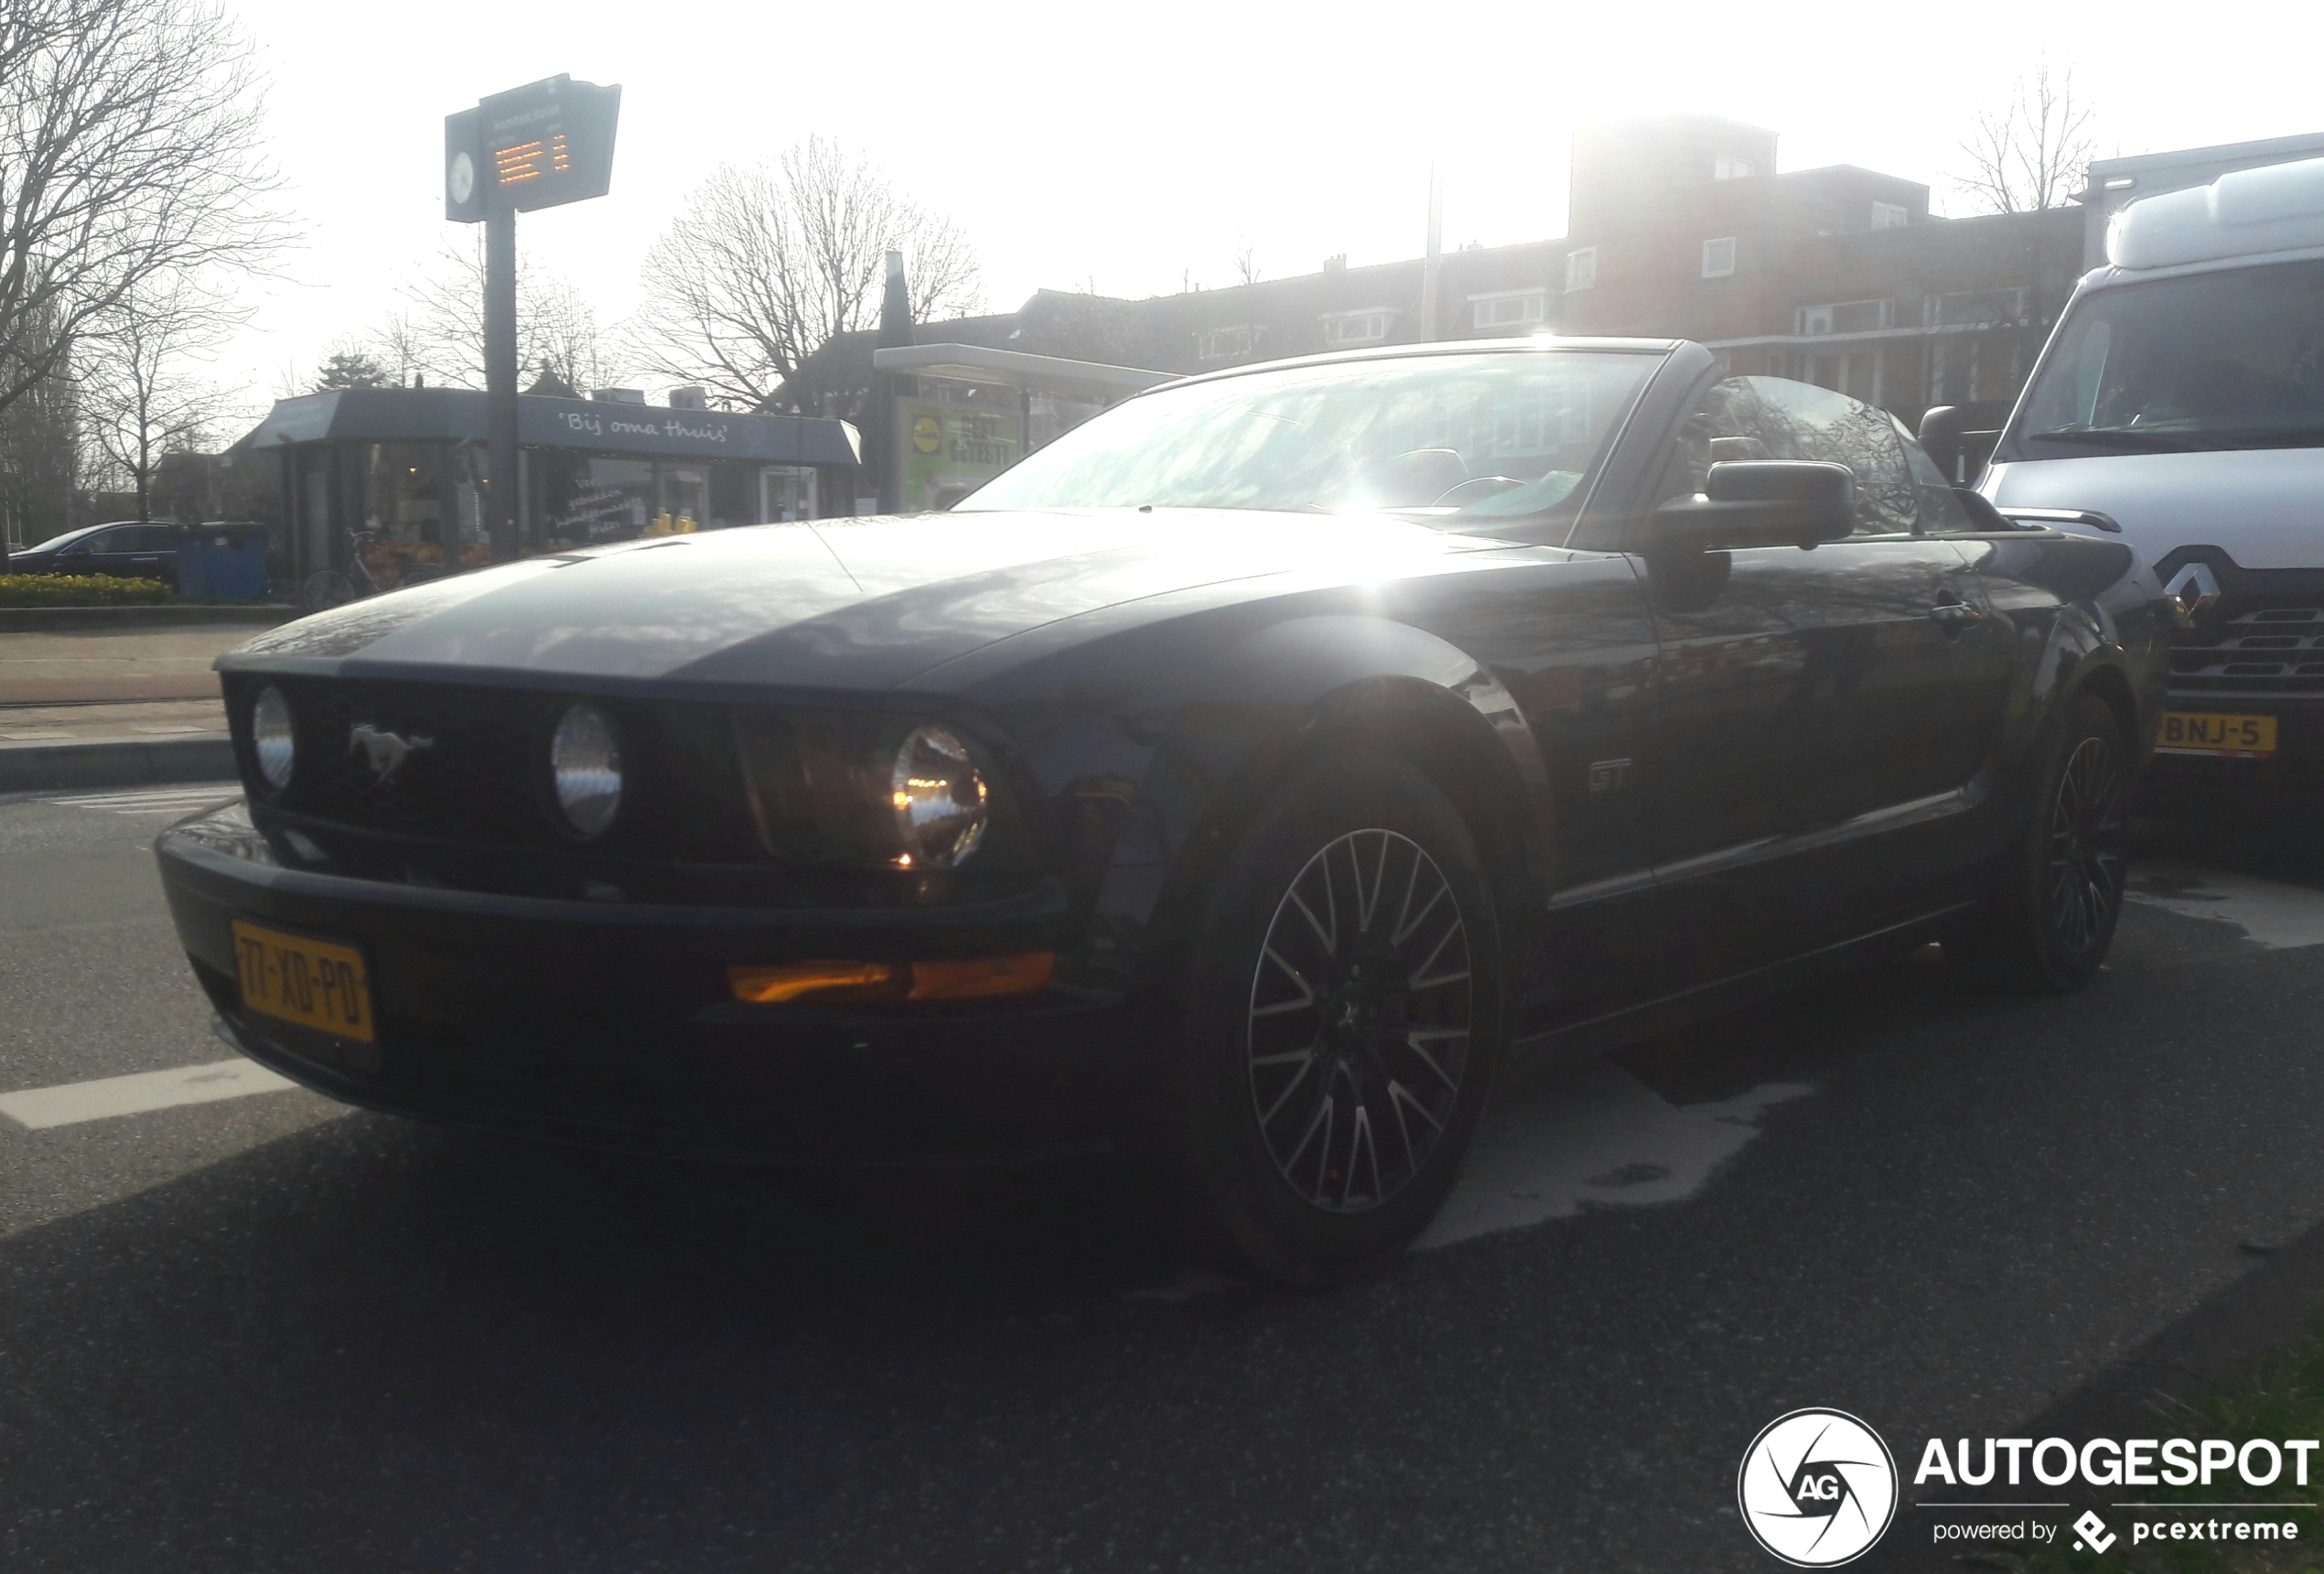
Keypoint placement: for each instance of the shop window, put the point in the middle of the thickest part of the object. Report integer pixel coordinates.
(1581, 268)
(594, 498)
(1508, 308)
(787, 492)
(1726, 166)
(1890, 216)
(1719, 258)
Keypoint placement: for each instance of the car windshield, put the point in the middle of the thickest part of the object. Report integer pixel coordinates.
(2222, 359)
(1458, 438)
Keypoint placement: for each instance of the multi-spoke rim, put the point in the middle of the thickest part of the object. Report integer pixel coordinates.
(2089, 829)
(1360, 1021)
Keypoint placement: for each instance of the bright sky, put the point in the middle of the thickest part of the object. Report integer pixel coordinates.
(1128, 147)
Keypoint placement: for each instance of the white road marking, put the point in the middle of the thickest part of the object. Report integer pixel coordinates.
(2277, 917)
(1597, 1135)
(140, 1093)
(172, 800)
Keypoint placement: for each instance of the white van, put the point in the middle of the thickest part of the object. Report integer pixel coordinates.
(2180, 402)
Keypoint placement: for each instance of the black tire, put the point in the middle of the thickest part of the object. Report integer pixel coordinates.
(1353, 926)
(2060, 892)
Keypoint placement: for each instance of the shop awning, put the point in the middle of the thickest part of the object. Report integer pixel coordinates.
(1015, 369)
(457, 415)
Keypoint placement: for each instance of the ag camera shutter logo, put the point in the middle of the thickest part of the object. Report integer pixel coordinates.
(1817, 1488)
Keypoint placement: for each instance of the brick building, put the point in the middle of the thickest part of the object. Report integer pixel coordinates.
(1678, 226)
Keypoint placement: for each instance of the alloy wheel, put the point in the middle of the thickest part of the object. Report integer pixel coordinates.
(2089, 830)
(1361, 1014)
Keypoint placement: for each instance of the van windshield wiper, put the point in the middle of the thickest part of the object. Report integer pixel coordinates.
(2132, 439)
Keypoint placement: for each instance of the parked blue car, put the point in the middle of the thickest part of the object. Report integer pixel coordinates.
(130, 550)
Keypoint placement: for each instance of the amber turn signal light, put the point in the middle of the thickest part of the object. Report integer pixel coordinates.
(831, 983)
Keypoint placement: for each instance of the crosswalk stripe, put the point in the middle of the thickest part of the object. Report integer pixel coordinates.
(174, 800)
(140, 1093)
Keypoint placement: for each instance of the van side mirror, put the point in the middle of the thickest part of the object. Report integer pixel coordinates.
(1759, 502)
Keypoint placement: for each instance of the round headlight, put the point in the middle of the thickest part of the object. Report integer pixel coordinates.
(938, 799)
(586, 761)
(269, 736)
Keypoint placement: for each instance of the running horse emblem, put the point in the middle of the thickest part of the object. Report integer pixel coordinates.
(383, 750)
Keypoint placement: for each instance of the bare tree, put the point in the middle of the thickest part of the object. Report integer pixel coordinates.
(42, 458)
(770, 262)
(442, 336)
(2029, 155)
(130, 142)
(1246, 263)
(138, 396)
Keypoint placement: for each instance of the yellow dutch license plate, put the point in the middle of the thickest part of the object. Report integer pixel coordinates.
(310, 982)
(2197, 732)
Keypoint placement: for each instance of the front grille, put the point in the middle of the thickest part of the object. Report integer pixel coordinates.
(483, 776)
(2259, 647)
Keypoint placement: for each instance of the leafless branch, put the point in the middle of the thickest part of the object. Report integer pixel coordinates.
(2029, 155)
(139, 395)
(442, 334)
(130, 141)
(770, 262)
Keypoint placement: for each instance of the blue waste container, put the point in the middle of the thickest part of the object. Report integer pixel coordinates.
(223, 562)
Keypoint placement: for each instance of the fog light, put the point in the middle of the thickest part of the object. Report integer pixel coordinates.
(835, 982)
(772, 985)
(270, 738)
(585, 760)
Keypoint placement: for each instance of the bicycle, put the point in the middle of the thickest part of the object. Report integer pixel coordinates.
(328, 588)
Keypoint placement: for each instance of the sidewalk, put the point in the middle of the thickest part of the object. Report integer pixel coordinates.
(113, 707)
(80, 666)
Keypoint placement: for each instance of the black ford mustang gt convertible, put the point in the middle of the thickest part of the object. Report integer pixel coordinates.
(1238, 777)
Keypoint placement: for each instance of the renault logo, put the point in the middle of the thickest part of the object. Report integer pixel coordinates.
(383, 750)
(2196, 589)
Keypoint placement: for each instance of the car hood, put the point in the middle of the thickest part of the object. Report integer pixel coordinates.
(853, 603)
(2264, 507)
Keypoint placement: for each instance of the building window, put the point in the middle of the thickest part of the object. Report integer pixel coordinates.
(1726, 166)
(1226, 343)
(1508, 308)
(1719, 258)
(1581, 268)
(1347, 330)
(1888, 216)
(1847, 317)
(1975, 308)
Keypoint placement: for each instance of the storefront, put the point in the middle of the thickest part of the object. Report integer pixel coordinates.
(403, 471)
(964, 413)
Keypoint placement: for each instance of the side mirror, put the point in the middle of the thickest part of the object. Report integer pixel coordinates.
(1759, 502)
(1941, 429)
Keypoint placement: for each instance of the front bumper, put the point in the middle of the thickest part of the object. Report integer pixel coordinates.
(612, 1024)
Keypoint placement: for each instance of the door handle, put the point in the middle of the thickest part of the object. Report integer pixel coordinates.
(1954, 616)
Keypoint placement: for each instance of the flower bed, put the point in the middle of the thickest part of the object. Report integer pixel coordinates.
(81, 590)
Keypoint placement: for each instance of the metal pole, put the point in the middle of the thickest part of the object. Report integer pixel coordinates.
(499, 377)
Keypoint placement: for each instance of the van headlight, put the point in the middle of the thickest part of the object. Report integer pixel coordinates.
(939, 800)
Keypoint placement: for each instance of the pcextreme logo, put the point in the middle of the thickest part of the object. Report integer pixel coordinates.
(1817, 1488)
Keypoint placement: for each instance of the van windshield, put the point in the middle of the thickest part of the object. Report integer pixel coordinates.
(2228, 359)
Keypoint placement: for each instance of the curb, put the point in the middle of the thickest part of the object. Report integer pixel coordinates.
(130, 761)
(44, 619)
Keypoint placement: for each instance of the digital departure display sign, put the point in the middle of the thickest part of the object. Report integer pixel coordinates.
(548, 143)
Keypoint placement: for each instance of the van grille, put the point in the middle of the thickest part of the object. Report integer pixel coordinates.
(2263, 649)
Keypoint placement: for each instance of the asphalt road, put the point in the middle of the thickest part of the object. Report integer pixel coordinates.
(267, 1333)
